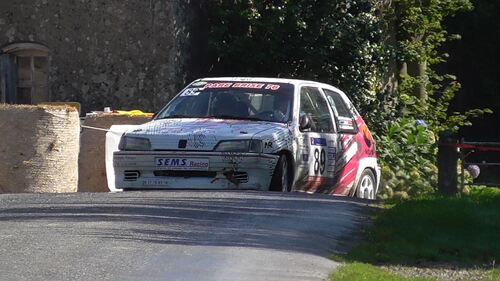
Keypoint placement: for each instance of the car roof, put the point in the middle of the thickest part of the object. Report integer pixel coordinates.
(295, 82)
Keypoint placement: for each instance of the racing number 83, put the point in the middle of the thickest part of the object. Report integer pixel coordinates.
(319, 161)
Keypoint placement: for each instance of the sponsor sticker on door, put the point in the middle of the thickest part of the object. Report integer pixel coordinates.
(318, 141)
(182, 164)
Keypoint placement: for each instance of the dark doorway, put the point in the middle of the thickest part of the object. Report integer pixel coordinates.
(24, 74)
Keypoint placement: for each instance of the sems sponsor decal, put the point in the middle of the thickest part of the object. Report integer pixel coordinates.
(183, 164)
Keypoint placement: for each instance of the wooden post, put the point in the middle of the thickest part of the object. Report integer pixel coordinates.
(447, 164)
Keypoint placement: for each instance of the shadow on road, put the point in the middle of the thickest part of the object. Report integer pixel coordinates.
(291, 222)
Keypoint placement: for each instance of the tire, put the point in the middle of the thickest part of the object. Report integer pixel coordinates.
(366, 187)
(281, 177)
(136, 189)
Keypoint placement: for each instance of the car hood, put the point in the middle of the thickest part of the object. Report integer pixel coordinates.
(200, 134)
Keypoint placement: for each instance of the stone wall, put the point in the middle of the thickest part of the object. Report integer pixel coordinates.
(39, 149)
(127, 54)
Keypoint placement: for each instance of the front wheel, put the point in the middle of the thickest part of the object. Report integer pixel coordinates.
(281, 176)
(366, 185)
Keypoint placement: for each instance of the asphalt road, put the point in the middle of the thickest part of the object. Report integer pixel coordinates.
(174, 235)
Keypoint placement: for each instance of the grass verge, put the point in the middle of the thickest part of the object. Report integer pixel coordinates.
(366, 272)
(461, 231)
(494, 275)
(435, 231)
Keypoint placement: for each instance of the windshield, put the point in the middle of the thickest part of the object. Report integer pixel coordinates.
(233, 100)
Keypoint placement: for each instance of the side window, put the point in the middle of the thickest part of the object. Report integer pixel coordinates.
(343, 115)
(315, 107)
(337, 103)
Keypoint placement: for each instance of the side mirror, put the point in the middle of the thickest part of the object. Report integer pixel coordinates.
(304, 123)
(154, 115)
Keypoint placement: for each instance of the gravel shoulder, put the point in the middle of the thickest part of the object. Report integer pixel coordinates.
(441, 272)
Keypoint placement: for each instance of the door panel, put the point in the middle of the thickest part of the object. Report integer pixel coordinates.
(354, 143)
(317, 144)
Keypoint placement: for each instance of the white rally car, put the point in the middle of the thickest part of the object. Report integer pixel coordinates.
(252, 133)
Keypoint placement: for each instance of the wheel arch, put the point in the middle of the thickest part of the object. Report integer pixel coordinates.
(291, 166)
(367, 163)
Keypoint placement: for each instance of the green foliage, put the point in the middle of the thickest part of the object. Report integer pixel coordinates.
(435, 229)
(334, 41)
(421, 27)
(407, 151)
(352, 44)
(409, 166)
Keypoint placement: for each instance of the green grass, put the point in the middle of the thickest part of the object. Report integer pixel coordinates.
(366, 272)
(462, 230)
(494, 275)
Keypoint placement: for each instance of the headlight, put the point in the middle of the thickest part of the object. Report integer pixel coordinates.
(254, 146)
(134, 144)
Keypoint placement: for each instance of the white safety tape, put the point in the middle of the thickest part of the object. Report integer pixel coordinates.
(95, 128)
(101, 129)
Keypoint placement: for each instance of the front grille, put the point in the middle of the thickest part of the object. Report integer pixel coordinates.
(185, 174)
(240, 177)
(131, 175)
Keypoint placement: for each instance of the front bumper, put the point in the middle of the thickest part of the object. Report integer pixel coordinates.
(139, 170)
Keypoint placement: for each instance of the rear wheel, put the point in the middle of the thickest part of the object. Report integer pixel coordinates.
(366, 185)
(281, 177)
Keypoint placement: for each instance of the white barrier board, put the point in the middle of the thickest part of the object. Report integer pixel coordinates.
(112, 141)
